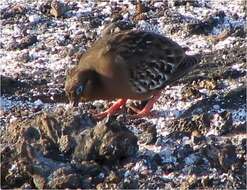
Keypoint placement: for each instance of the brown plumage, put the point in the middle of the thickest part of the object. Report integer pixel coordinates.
(127, 65)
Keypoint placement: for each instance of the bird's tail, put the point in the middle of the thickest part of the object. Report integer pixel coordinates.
(186, 66)
(189, 62)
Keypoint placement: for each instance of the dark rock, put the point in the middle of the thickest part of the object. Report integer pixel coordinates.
(235, 98)
(31, 133)
(27, 41)
(193, 3)
(157, 159)
(45, 172)
(23, 57)
(90, 168)
(109, 140)
(110, 182)
(12, 11)
(11, 174)
(129, 182)
(168, 167)
(147, 162)
(195, 170)
(239, 32)
(42, 148)
(195, 122)
(203, 27)
(227, 157)
(45, 7)
(193, 159)
(226, 123)
(10, 85)
(54, 8)
(211, 152)
(24, 42)
(184, 151)
(148, 134)
(244, 145)
(197, 137)
(66, 178)
(190, 92)
(95, 22)
(58, 8)
(220, 14)
(233, 74)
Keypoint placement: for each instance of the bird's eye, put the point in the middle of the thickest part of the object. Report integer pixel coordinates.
(79, 90)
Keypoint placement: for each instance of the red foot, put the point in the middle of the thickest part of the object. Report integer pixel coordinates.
(146, 111)
(113, 109)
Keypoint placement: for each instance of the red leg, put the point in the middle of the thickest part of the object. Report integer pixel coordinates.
(148, 107)
(113, 109)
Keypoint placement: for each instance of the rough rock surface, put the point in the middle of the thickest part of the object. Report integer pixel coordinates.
(62, 150)
(109, 141)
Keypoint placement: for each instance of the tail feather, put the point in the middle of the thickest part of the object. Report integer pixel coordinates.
(186, 66)
(189, 62)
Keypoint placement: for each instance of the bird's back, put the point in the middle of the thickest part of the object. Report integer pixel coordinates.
(151, 60)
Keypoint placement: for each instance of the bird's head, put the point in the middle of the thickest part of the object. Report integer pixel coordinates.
(79, 85)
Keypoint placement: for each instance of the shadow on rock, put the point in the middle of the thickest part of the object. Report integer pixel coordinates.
(10, 85)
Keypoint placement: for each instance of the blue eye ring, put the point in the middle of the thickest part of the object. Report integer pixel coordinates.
(79, 90)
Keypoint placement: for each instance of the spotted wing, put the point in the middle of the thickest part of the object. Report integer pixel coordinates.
(151, 59)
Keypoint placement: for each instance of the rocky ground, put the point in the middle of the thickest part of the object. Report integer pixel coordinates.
(197, 136)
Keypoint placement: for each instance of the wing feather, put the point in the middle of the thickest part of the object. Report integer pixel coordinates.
(151, 59)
